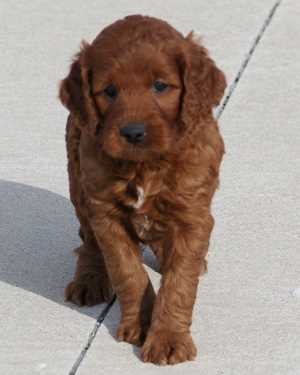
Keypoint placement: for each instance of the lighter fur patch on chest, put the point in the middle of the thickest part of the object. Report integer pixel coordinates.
(141, 222)
(140, 198)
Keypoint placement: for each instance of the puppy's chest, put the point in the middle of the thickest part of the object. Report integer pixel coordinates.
(143, 226)
(144, 218)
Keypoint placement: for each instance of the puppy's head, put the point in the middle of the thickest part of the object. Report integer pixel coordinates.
(140, 87)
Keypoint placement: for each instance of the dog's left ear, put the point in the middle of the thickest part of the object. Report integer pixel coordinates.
(204, 83)
(75, 89)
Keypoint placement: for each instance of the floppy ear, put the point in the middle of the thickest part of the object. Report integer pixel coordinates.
(75, 90)
(204, 83)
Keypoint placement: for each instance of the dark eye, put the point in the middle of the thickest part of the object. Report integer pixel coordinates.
(111, 92)
(159, 86)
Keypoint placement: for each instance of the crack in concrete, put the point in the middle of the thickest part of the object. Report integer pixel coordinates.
(92, 335)
(219, 112)
(246, 60)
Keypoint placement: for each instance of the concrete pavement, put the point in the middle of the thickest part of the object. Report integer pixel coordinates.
(247, 315)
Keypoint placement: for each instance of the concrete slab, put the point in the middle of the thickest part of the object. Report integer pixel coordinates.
(247, 316)
(39, 332)
(38, 336)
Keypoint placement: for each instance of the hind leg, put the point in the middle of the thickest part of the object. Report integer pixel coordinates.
(91, 284)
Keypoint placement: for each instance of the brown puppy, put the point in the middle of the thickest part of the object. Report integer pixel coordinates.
(143, 159)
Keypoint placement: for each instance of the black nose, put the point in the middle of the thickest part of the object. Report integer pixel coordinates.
(134, 133)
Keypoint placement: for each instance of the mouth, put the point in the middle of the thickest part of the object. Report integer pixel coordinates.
(140, 152)
(136, 142)
(135, 152)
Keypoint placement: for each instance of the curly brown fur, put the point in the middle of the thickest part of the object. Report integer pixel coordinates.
(158, 192)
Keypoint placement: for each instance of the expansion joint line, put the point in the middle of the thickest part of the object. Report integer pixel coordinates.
(92, 335)
(246, 60)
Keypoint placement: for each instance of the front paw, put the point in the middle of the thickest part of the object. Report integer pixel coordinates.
(163, 347)
(89, 289)
(132, 332)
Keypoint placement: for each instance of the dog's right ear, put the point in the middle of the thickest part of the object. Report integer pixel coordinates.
(75, 91)
(204, 83)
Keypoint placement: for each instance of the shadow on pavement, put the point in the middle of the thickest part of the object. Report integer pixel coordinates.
(38, 231)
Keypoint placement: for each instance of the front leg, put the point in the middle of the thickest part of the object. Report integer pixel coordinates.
(129, 279)
(169, 340)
